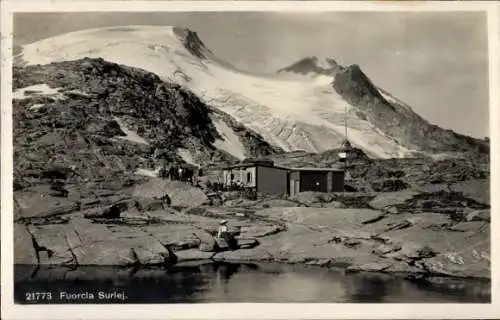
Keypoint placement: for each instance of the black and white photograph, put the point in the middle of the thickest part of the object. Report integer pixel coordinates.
(194, 157)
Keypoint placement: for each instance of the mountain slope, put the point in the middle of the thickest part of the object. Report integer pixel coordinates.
(388, 115)
(296, 109)
(94, 119)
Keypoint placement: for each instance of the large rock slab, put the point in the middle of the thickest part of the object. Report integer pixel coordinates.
(370, 267)
(32, 204)
(82, 242)
(386, 200)
(53, 246)
(258, 254)
(176, 236)
(320, 218)
(94, 244)
(193, 255)
(258, 230)
(181, 194)
(24, 249)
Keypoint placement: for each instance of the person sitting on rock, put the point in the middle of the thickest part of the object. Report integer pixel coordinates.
(166, 200)
(230, 241)
(221, 234)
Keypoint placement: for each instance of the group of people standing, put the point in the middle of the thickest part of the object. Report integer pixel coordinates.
(181, 173)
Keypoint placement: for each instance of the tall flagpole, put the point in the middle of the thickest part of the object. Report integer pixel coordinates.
(345, 147)
(345, 121)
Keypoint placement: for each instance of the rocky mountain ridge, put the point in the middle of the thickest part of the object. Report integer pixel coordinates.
(314, 66)
(98, 119)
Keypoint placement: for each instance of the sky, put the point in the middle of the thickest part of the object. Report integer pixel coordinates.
(437, 62)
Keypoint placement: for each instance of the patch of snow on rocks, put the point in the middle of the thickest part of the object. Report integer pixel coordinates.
(230, 142)
(130, 135)
(37, 90)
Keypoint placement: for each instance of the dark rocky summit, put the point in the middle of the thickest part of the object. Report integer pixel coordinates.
(399, 121)
(312, 65)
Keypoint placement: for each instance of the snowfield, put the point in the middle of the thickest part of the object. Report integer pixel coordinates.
(186, 155)
(130, 135)
(37, 90)
(294, 113)
(230, 142)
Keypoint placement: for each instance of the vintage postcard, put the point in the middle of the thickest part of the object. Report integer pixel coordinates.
(184, 159)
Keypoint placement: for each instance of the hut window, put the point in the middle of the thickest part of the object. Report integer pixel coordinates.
(232, 176)
(249, 177)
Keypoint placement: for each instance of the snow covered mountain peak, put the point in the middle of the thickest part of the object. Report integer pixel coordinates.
(192, 42)
(147, 45)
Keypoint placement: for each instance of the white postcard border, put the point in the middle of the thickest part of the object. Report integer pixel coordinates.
(243, 310)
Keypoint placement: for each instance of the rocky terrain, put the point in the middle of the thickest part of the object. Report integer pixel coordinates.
(365, 174)
(90, 136)
(91, 120)
(418, 233)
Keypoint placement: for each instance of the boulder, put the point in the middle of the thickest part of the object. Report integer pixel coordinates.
(247, 243)
(479, 215)
(410, 251)
(383, 249)
(207, 242)
(150, 251)
(228, 242)
(470, 263)
(148, 204)
(109, 212)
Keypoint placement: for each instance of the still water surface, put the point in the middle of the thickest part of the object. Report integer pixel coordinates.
(232, 283)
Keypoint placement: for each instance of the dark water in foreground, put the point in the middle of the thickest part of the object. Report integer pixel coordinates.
(231, 283)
